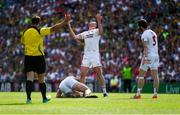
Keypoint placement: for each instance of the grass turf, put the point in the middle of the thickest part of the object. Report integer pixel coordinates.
(14, 103)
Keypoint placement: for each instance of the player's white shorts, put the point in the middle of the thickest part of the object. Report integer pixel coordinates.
(91, 59)
(153, 64)
(67, 84)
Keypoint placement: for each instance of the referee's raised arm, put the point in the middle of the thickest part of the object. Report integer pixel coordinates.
(56, 27)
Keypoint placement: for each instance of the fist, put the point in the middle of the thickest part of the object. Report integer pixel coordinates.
(98, 17)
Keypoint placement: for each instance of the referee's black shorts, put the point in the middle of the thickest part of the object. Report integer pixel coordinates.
(34, 63)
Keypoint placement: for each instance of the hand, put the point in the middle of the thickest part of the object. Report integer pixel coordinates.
(98, 17)
(67, 17)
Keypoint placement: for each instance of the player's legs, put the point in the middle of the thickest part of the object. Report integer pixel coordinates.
(97, 67)
(125, 86)
(99, 73)
(83, 73)
(154, 73)
(140, 82)
(75, 94)
(42, 86)
(40, 70)
(29, 71)
(58, 94)
(80, 87)
(140, 78)
(29, 85)
(84, 67)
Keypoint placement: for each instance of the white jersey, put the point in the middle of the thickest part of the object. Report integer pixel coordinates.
(91, 38)
(152, 43)
(66, 86)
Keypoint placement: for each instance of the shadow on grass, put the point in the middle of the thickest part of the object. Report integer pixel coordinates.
(131, 98)
(12, 104)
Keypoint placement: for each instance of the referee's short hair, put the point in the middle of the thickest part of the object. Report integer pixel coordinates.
(142, 23)
(35, 20)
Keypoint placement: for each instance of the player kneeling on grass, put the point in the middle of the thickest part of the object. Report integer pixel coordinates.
(70, 87)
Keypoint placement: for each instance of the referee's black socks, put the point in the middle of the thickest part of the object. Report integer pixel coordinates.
(42, 87)
(29, 85)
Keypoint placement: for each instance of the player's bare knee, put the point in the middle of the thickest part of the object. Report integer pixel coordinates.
(41, 78)
(30, 76)
(140, 78)
(30, 79)
(100, 76)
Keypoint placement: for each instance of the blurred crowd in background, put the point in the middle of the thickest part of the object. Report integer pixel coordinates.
(120, 45)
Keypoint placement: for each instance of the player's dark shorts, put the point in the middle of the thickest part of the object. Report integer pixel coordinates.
(34, 63)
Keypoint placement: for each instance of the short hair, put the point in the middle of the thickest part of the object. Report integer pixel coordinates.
(35, 20)
(142, 23)
(92, 21)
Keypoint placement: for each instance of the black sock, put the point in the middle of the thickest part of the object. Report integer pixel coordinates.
(42, 87)
(29, 85)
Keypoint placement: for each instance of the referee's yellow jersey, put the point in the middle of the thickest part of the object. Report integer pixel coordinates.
(32, 40)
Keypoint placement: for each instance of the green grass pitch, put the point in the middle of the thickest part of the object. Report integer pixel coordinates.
(116, 103)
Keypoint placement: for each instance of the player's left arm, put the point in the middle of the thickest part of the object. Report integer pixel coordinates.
(145, 52)
(145, 40)
(99, 21)
(59, 94)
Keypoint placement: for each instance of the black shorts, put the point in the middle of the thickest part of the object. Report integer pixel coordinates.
(34, 63)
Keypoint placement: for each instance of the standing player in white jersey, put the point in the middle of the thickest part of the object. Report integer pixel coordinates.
(91, 56)
(150, 59)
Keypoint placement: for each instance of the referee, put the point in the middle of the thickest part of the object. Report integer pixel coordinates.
(34, 60)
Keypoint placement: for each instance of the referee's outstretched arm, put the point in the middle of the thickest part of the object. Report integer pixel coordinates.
(56, 27)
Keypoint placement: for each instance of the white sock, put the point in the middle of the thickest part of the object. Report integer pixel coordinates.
(138, 91)
(104, 90)
(155, 91)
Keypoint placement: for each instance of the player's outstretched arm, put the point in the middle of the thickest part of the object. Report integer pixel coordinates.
(99, 20)
(56, 27)
(72, 32)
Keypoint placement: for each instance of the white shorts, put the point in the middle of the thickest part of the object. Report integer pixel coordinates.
(153, 64)
(67, 84)
(91, 59)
